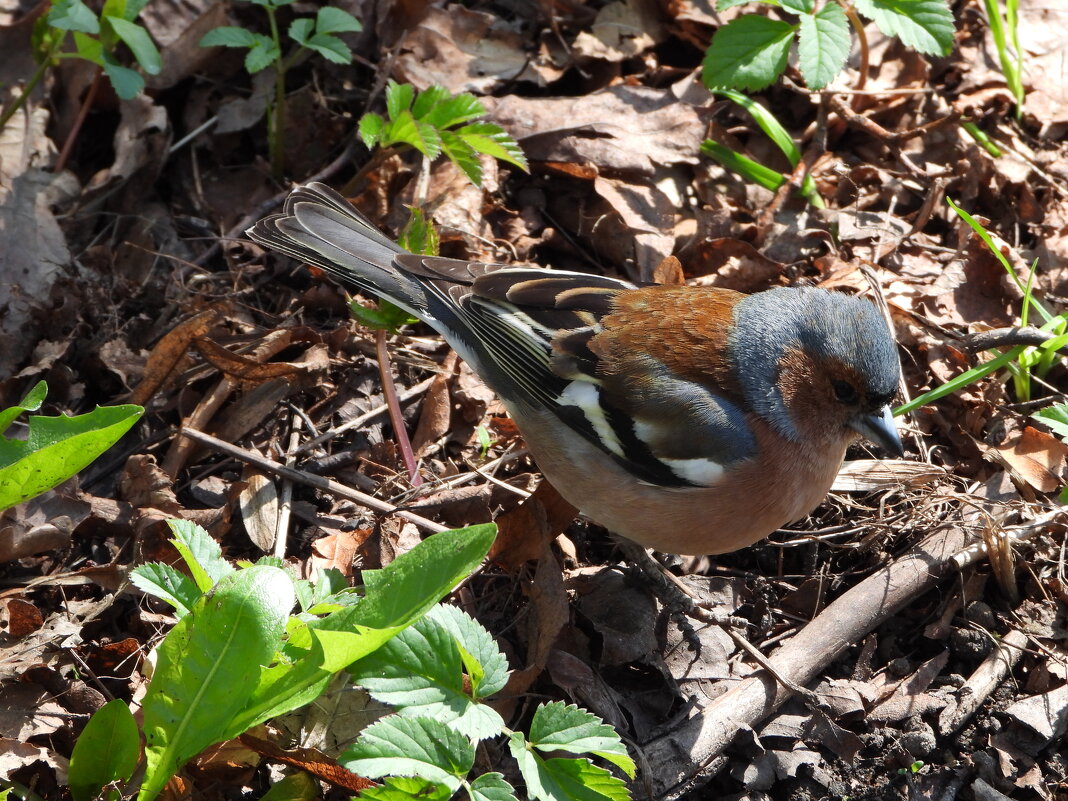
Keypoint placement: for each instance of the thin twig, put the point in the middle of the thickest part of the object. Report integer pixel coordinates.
(308, 479)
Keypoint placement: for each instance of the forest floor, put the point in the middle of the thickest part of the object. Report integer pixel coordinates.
(125, 279)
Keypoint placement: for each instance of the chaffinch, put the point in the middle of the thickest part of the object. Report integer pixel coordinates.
(691, 420)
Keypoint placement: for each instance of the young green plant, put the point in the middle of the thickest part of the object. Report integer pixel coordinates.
(96, 39)
(754, 170)
(1005, 32)
(320, 35)
(55, 448)
(239, 655)
(751, 52)
(1020, 360)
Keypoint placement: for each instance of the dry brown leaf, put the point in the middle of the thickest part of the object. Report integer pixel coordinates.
(258, 500)
(23, 617)
(169, 351)
(1036, 457)
(434, 417)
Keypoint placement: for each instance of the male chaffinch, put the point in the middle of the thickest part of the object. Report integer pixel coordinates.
(691, 420)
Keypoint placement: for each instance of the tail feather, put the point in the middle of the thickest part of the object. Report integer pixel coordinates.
(319, 227)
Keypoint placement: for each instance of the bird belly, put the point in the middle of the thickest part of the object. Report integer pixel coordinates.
(747, 503)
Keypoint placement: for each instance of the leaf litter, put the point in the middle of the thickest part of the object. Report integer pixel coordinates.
(116, 295)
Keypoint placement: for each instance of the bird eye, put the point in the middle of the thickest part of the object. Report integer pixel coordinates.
(845, 392)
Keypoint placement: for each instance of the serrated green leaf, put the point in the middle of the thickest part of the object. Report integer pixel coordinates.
(406, 129)
(562, 727)
(396, 596)
(139, 42)
(419, 234)
(31, 402)
(491, 787)
(106, 751)
(331, 19)
(419, 747)
(331, 48)
(207, 667)
(572, 779)
(460, 153)
(823, 45)
(406, 788)
(398, 98)
(723, 5)
(923, 25)
(56, 448)
(261, 55)
(747, 53)
(1056, 417)
(166, 583)
(73, 15)
(799, 6)
(372, 126)
(428, 99)
(300, 30)
(455, 110)
(493, 140)
(419, 673)
(229, 36)
(201, 553)
(473, 638)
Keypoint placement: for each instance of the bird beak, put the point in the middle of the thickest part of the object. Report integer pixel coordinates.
(879, 428)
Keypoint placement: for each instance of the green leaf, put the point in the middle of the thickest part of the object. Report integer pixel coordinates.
(420, 747)
(491, 787)
(201, 553)
(331, 48)
(126, 82)
(398, 98)
(106, 751)
(207, 667)
(419, 234)
(73, 15)
(451, 111)
(397, 596)
(428, 99)
(334, 20)
(300, 30)
(139, 42)
(229, 36)
(30, 403)
(473, 639)
(419, 672)
(723, 5)
(262, 54)
(163, 581)
(460, 153)
(406, 788)
(747, 53)
(743, 165)
(299, 786)
(56, 448)
(403, 127)
(1056, 417)
(799, 6)
(387, 316)
(823, 45)
(493, 140)
(372, 127)
(768, 123)
(924, 25)
(572, 779)
(562, 727)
